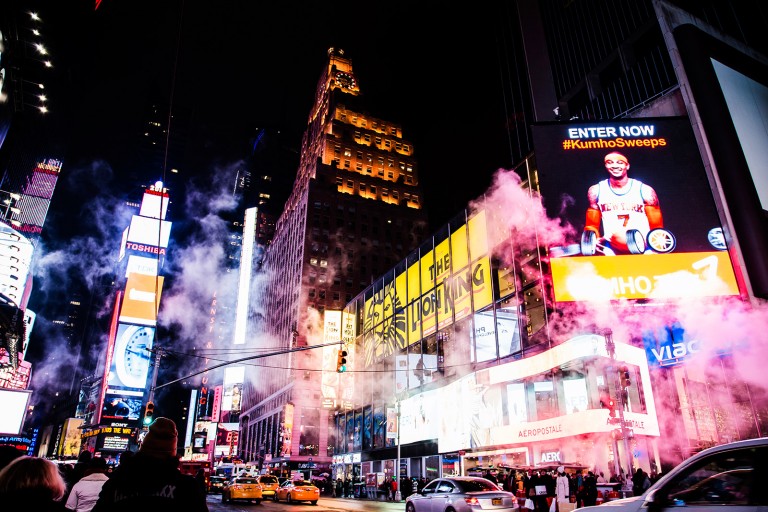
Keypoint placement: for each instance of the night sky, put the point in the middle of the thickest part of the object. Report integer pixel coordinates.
(238, 66)
(231, 68)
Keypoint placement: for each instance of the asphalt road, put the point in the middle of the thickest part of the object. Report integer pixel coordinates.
(325, 504)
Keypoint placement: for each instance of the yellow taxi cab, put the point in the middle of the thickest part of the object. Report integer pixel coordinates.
(241, 488)
(298, 490)
(269, 485)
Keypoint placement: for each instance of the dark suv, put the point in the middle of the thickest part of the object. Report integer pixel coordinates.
(215, 483)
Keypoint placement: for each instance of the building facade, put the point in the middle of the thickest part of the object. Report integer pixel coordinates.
(561, 391)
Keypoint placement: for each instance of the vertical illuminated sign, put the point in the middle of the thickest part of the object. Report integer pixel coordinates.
(108, 359)
(244, 283)
(331, 334)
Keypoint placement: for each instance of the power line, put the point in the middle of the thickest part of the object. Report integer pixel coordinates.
(269, 354)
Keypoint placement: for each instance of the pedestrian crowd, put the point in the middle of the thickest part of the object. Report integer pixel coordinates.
(148, 480)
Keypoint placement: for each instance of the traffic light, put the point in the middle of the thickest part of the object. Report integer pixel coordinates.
(606, 402)
(624, 374)
(149, 411)
(341, 361)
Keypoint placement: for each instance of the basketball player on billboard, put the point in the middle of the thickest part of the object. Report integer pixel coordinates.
(628, 211)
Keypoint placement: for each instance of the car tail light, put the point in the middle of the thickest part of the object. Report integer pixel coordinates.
(472, 501)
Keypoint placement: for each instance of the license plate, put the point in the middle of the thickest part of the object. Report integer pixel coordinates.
(496, 501)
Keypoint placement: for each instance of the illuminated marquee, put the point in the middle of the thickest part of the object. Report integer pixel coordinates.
(628, 245)
(444, 285)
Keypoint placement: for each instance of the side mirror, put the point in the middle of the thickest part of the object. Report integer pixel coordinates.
(655, 501)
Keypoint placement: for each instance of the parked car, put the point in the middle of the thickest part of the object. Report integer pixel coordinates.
(269, 485)
(298, 490)
(241, 488)
(215, 483)
(461, 494)
(731, 475)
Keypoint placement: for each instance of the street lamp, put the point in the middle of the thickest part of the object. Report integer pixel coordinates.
(610, 347)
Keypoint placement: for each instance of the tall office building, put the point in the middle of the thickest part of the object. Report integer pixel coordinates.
(659, 58)
(355, 209)
(673, 91)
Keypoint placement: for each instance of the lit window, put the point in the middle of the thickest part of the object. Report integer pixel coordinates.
(347, 152)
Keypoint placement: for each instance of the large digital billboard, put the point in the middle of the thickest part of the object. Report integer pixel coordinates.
(142, 299)
(636, 193)
(131, 357)
(13, 403)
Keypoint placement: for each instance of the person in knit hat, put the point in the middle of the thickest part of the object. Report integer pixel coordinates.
(150, 480)
(161, 440)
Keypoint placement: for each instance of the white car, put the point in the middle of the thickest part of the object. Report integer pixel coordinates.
(461, 494)
(733, 475)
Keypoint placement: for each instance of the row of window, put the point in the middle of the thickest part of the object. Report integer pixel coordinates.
(377, 126)
(404, 166)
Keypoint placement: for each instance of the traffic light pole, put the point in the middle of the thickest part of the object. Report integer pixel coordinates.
(610, 347)
(158, 356)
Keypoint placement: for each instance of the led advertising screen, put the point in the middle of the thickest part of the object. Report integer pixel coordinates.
(13, 403)
(131, 357)
(121, 406)
(142, 299)
(147, 231)
(637, 196)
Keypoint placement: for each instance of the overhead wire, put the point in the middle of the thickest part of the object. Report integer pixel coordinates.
(158, 351)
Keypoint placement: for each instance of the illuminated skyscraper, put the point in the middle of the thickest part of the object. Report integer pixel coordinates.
(355, 209)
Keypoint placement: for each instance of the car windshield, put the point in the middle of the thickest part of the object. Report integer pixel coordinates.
(217, 479)
(268, 480)
(301, 482)
(476, 485)
(245, 480)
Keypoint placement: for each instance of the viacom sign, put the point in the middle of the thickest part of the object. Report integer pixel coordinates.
(668, 346)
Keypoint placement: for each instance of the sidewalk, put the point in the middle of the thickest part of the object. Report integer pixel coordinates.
(364, 504)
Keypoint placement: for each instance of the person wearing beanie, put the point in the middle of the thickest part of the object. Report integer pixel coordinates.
(161, 440)
(150, 480)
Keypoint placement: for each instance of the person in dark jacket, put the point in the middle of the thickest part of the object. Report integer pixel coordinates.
(150, 481)
(590, 490)
(32, 484)
(640, 482)
(78, 471)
